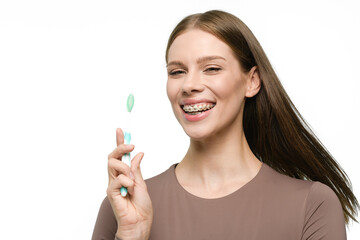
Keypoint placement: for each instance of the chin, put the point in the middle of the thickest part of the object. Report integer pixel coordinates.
(197, 134)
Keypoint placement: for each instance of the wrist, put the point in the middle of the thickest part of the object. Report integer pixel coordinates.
(133, 234)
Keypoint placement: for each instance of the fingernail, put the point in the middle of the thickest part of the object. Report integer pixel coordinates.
(132, 176)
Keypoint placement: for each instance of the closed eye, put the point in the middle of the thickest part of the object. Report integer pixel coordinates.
(212, 69)
(174, 73)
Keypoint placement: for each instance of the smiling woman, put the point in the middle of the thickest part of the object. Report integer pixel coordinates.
(253, 170)
(208, 72)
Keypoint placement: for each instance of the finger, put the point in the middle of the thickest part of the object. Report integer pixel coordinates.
(121, 150)
(120, 181)
(135, 166)
(119, 136)
(116, 167)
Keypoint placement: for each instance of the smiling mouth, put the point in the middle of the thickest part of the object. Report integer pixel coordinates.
(195, 109)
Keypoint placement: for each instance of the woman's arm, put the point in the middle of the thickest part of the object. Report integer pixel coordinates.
(106, 225)
(324, 217)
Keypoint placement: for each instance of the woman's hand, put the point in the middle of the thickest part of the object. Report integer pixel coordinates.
(134, 213)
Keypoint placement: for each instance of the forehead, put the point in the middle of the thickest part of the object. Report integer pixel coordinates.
(196, 43)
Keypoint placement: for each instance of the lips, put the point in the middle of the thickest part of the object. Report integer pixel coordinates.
(199, 107)
(190, 101)
(199, 115)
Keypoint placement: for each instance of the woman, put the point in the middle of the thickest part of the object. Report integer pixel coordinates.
(253, 170)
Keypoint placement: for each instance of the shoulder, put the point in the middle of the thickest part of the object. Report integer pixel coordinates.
(323, 201)
(165, 175)
(321, 193)
(324, 215)
(312, 192)
(160, 181)
(284, 185)
(316, 204)
(161, 176)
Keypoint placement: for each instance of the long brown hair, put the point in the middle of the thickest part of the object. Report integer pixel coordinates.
(276, 132)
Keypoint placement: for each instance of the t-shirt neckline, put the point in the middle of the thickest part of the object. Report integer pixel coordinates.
(243, 188)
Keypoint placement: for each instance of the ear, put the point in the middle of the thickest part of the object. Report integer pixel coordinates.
(253, 82)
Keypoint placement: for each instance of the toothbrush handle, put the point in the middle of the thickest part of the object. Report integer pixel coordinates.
(126, 159)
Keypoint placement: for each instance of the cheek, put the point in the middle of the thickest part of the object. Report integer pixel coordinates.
(228, 86)
(171, 90)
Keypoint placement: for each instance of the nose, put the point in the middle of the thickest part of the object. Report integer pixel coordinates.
(192, 83)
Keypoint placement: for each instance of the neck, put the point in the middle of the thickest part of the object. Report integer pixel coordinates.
(213, 162)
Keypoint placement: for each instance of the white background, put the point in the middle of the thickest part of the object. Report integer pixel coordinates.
(66, 68)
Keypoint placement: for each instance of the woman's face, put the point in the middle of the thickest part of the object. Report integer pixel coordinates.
(206, 86)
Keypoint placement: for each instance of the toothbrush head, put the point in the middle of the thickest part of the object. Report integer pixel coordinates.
(130, 102)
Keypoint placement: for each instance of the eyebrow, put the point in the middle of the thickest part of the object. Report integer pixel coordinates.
(198, 61)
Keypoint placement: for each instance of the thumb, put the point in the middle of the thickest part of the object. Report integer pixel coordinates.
(119, 136)
(135, 166)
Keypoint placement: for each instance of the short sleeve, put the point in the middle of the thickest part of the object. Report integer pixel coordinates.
(324, 218)
(106, 225)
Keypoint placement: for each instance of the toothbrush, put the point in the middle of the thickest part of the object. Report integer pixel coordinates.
(127, 138)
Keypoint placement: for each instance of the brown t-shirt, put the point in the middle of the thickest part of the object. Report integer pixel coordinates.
(271, 206)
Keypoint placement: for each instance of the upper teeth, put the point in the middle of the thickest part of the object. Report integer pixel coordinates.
(198, 107)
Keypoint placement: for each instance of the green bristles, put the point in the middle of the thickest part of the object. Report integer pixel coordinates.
(130, 102)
